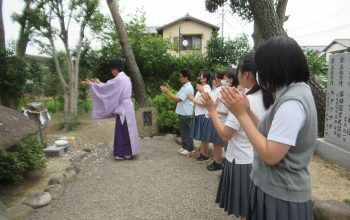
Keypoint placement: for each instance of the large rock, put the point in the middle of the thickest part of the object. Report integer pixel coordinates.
(20, 212)
(58, 180)
(331, 209)
(70, 176)
(4, 215)
(56, 190)
(74, 166)
(38, 199)
(169, 137)
(14, 126)
(81, 155)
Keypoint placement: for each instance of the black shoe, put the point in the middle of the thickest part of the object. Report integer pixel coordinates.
(202, 158)
(214, 166)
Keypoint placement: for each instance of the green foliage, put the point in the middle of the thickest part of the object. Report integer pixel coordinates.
(241, 7)
(54, 106)
(345, 175)
(194, 61)
(168, 120)
(151, 54)
(347, 201)
(35, 78)
(318, 67)
(73, 124)
(84, 105)
(12, 78)
(23, 157)
(51, 83)
(227, 52)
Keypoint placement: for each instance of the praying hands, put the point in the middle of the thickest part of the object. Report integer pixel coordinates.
(209, 103)
(87, 82)
(235, 101)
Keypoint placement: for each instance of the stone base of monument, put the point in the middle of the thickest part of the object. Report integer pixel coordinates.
(333, 153)
(56, 151)
(146, 119)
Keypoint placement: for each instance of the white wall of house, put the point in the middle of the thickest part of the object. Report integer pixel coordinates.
(187, 28)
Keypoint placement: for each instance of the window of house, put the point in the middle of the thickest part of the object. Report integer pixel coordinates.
(191, 42)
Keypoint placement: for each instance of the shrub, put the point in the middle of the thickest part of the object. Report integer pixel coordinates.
(168, 120)
(73, 124)
(23, 157)
(84, 105)
(54, 106)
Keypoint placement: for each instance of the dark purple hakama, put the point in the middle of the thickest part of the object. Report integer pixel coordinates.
(122, 146)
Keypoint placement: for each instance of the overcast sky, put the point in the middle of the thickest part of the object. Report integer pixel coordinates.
(311, 22)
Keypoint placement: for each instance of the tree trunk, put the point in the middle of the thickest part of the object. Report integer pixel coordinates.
(266, 18)
(258, 39)
(22, 41)
(24, 31)
(281, 10)
(135, 75)
(73, 108)
(320, 101)
(2, 31)
(66, 98)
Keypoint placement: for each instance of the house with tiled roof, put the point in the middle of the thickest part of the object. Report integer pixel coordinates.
(337, 46)
(188, 33)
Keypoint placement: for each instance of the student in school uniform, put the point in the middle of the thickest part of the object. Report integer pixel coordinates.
(218, 144)
(184, 108)
(232, 194)
(198, 131)
(284, 140)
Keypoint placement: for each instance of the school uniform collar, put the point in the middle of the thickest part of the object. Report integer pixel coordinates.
(282, 90)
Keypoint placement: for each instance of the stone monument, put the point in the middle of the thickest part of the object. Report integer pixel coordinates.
(335, 146)
(146, 119)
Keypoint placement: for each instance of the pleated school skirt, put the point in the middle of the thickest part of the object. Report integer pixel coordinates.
(264, 207)
(209, 133)
(213, 136)
(232, 194)
(197, 127)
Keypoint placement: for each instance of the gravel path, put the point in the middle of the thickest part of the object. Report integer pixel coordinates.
(158, 184)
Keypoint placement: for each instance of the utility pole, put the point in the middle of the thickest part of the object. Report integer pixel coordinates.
(180, 38)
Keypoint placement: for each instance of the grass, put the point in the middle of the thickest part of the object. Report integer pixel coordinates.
(344, 175)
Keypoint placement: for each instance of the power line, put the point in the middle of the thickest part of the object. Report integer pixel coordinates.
(234, 28)
(324, 31)
(327, 16)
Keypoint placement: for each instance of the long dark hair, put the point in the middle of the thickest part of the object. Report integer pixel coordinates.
(219, 75)
(280, 61)
(207, 76)
(232, 74)
(247, 64)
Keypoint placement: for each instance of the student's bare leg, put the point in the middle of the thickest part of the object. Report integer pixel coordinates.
(217, 153)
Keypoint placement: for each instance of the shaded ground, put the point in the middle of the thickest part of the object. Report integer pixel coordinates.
(155, 184)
